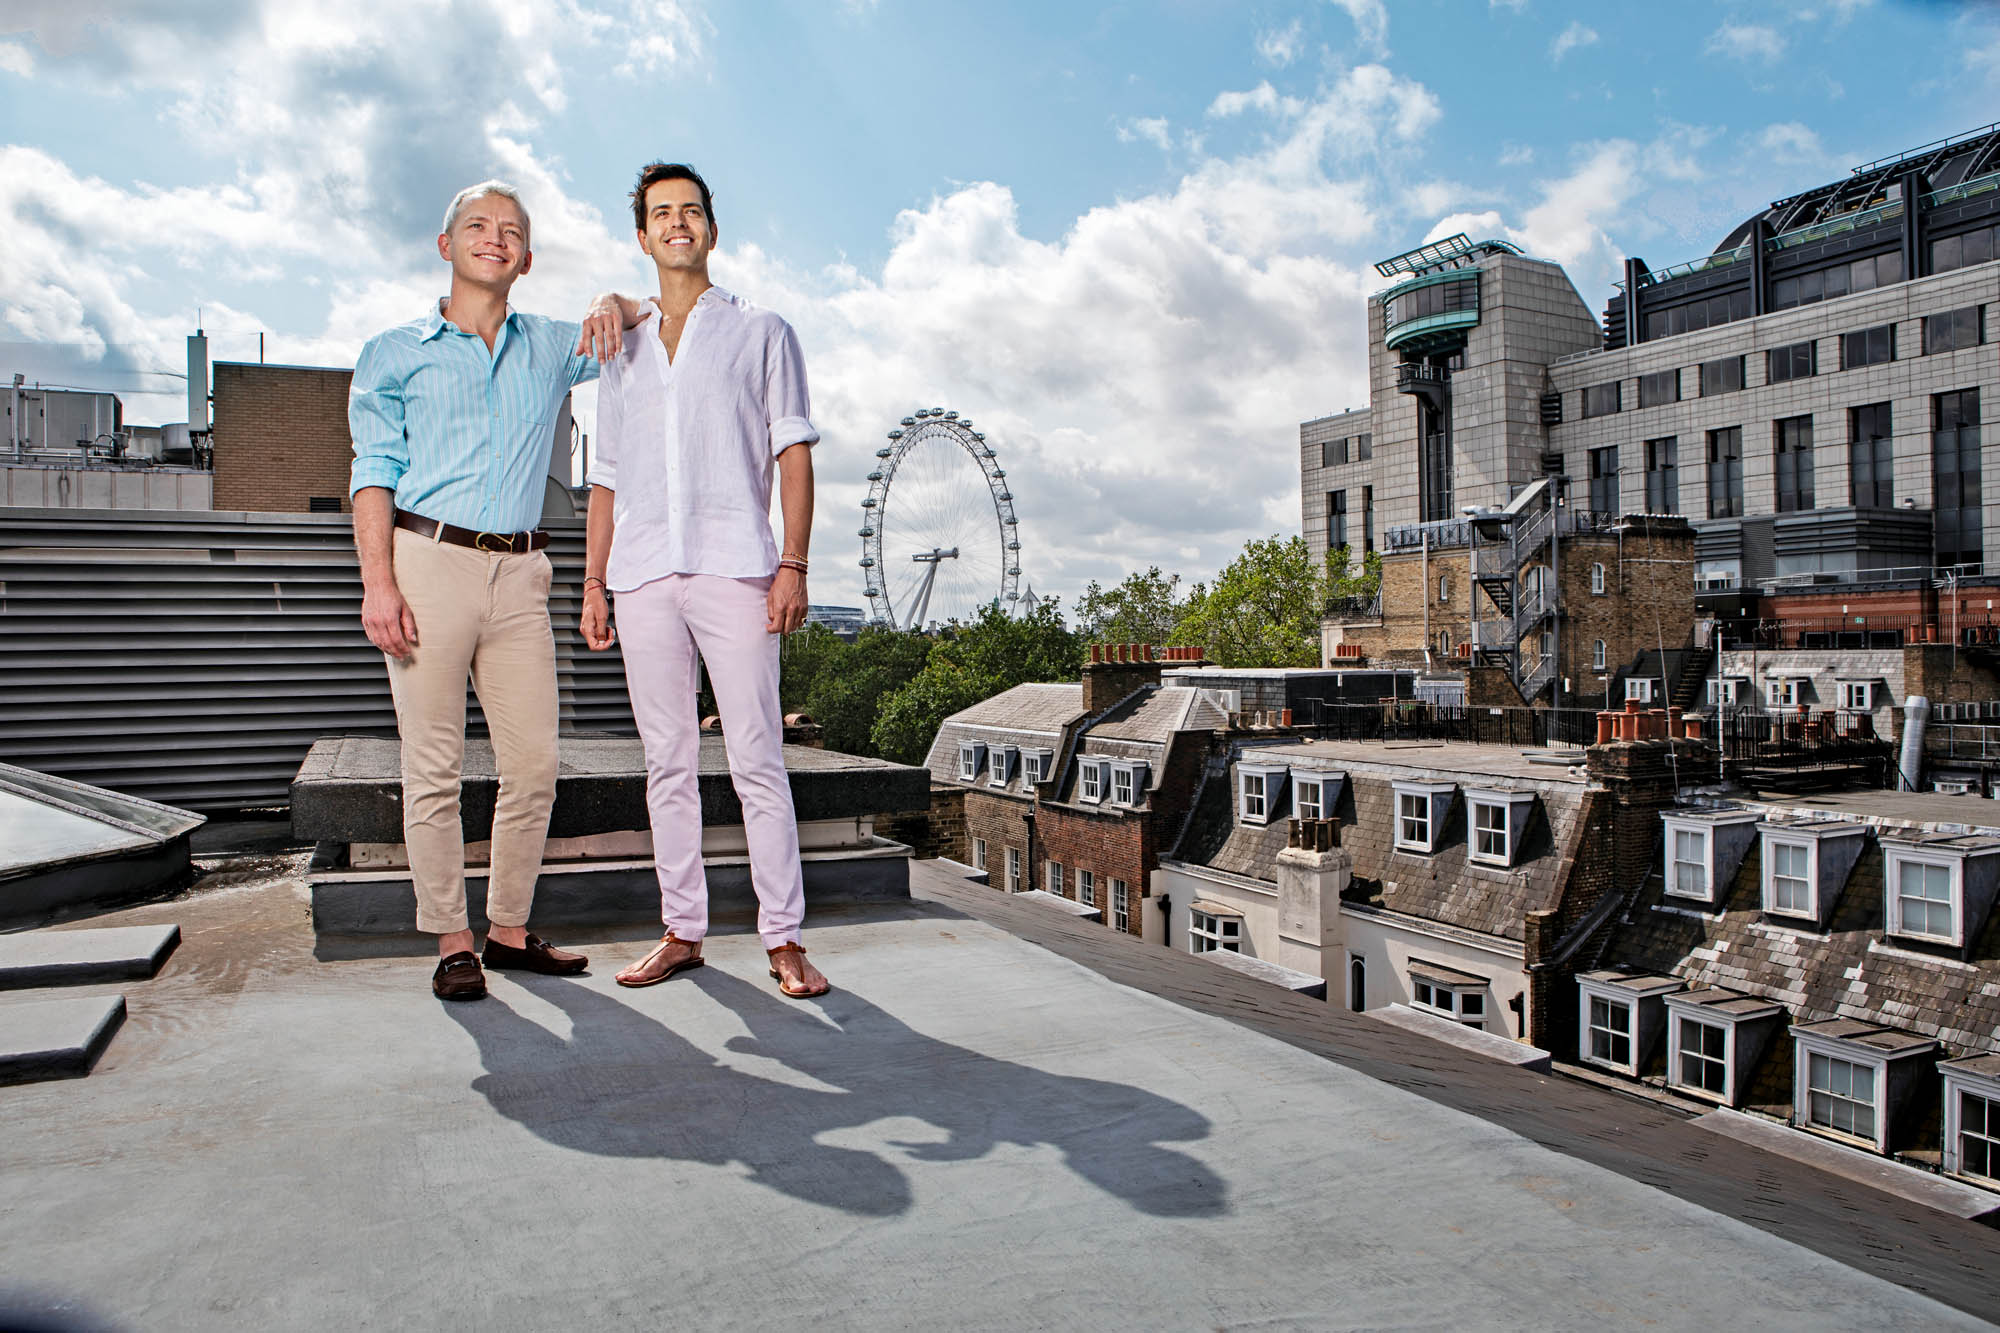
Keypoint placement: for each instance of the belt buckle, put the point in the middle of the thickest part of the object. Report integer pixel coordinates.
(505, 543)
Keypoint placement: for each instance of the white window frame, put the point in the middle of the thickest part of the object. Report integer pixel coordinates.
(1134, 782)
(1895, 859)
(1857, 696)
(1677, 1052)
(1597, 579)
(1086, 887)
(1768, 871)
(1597, 656)
(1121, 907)
(1639, 688)
(1347, 977)
(1000, 764)
(1806, 1052)
(1781, 692)
(979, 853)
(1725, 691)
(1958, 1085)
(1121, 784)
(1675, 831)
(1444, 590)
(1090, 781)
(1304, 806)
(1515, 808)
(1270, 790)
(1013, 870)
(971, 759)
(1213, 932)
(1449, 1001)
(1052, 877)
(1587, 1040)
(1432, 805)
(1032, 770)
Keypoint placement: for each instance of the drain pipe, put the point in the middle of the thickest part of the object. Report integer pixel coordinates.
(1915, 710)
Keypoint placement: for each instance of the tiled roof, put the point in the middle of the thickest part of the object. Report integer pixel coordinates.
(1442, 886)
(1156, 716)
(1027, 716)
(1850, 971)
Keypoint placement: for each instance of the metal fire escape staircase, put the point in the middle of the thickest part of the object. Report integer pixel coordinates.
(1506, 544)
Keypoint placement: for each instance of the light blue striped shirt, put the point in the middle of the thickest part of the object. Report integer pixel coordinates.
(460, 435)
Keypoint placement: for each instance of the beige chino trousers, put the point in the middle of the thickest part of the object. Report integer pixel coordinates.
(483, 614)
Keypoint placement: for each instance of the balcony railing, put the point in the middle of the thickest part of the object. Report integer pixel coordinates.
(1352, 610)
(1411, 719)
(1802, 747)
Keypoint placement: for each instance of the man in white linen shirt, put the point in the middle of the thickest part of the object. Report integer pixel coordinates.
(707, 396)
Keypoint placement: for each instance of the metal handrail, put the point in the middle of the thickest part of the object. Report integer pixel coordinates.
(1834, 226)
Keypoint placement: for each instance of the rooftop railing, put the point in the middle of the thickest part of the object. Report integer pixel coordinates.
(1413, 719)
(1837, 226)
(1965, 189)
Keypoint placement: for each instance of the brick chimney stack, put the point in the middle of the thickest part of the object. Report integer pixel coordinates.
(1117, 669)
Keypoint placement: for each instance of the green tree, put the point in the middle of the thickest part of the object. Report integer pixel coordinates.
(972, 662)
(847, 691)
(1343, 581)
(1263, 609)
(1144, 608)
(813, 654)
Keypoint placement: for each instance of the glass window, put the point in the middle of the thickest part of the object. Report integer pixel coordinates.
(1721, 376)
(1795, 362)
(1601, 400)
(1690, 863)
(1090, 781)
(1604, 479)
(1253, 796)
(1332, 453)
(1367, 519)
(1868, 347)
(1840, 1095)
(1663, 491)
(1357, 984)
(1953, 329)
(1437, 299)
(1121, 913)
(1857, 695)
(1413, 820)
(1924, 900)
(1490, 840)
(1597, 577)
(1121, 785)
(1444, 588)
(1662, 386)
(1959, 517)
(1013, 870)
(1792, 442)
(1336, 520)
(1791, 883)
(1086, 887)
(1610, 1031)
(1207, 933)
(1364, 447)
(1597, 655)
(996, 767)
(1870, 456)
(1306, 798)
(1054, 877)
(1978, 1135)
(968, 762)
(1704, 1063)
(979, 853)
(1725, 473)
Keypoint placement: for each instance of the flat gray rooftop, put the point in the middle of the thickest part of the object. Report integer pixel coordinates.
(1913, 807)
(1501, 761)
(971, 1131)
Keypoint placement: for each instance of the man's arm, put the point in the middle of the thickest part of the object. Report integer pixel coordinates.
(596, 625)
(603, 333)
(381, 457)
(785, 607)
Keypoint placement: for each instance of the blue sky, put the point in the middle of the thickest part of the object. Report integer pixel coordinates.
(1131, 239)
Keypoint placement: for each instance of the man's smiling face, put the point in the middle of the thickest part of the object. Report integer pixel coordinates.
(678, 232)
(488, 245)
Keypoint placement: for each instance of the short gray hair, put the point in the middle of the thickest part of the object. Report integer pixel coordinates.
(480, 191)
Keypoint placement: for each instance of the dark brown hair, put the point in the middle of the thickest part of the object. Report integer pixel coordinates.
(652, 174)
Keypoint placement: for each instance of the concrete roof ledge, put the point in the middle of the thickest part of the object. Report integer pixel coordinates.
(1303, 983)
(1891, 1177)
(1466, 1039)
(1043, 898)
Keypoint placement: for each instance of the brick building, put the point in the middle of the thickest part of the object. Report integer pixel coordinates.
(281, 442)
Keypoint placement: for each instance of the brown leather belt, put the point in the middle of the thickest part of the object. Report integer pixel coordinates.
(507, 543)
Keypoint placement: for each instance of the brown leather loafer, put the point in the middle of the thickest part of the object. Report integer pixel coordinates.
(458, 978)
(534, 958)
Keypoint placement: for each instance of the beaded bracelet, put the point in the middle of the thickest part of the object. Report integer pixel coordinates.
(792, 562)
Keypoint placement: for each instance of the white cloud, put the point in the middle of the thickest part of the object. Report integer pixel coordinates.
(16, 59)
(1511, 6)
(1747, 41)
(1517, 155)
(1151, 129)
(1281, 46)
(1263, 98)
(1371, 24)
(1571, 38)
(1791, 141)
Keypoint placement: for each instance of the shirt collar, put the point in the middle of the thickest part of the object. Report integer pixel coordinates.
(708, 297)
(434, 323)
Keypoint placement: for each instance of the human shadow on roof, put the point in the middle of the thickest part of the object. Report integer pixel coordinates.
(622, 1084)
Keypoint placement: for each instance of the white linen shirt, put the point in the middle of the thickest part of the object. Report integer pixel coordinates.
(688, 444)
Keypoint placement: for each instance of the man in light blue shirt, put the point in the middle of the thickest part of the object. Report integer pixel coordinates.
(451, 419)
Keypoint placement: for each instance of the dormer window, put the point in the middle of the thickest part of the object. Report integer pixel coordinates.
(1128, 783)
(1783, 691)
(1726, 691)
(1258, 787)
(1090, 780)
(1939, 888)
(1853, 1079)
(1715, 1037)
(1498, 820)
(1639, 688)
(1857, 695)
(971, 758)
(1972, 1118)
(1035, 766)
(1000, 764)
(1703, 850)
(1806, 866)
(1421, 808)
(1315, 792)
(1448, 993)
(1621, 1018)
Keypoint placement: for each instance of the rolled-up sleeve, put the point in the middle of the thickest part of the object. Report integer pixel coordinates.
(603, 469)
(785, 396)
(582, 369)
(375, 421)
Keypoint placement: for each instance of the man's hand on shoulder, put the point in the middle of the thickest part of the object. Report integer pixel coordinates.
(604, 323)
(785, 605)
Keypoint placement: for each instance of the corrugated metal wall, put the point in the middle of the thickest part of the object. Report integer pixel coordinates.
(194, 658)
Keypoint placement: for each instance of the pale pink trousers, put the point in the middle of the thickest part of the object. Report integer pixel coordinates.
(662, 626)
